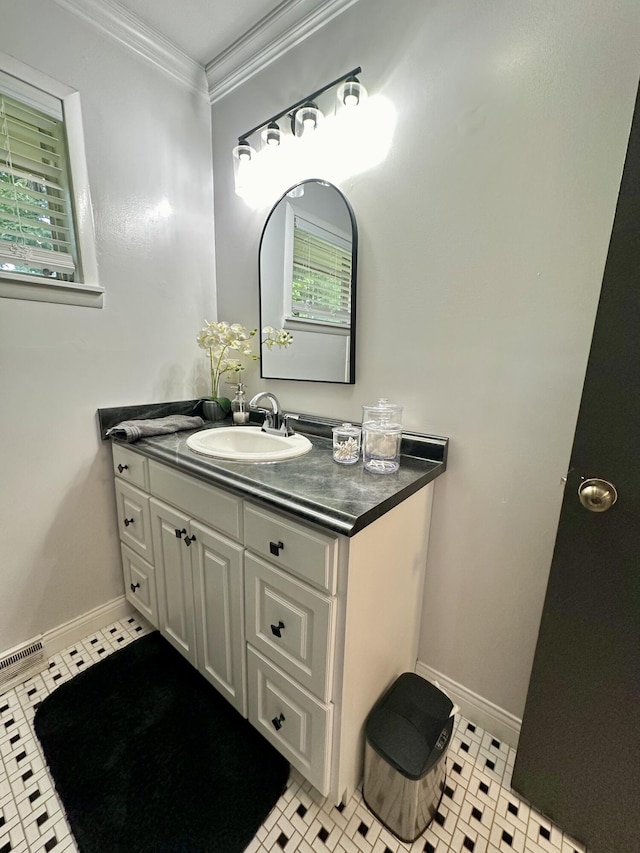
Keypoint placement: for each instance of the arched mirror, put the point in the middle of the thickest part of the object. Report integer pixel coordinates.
(308, 254)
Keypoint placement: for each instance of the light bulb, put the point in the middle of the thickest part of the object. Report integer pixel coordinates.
(307, 119)
(243, 151)
(243, 165)
(351, 93)
(272, 135)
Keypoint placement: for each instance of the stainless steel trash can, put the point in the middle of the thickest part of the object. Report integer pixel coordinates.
(407, 734)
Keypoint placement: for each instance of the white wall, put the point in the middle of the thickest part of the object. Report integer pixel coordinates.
(147, 140)
(483, 238)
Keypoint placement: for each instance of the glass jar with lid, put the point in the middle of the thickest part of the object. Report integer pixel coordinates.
(381, 437)
(346, 444)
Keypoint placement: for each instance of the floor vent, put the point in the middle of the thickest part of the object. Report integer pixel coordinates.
(17, 664)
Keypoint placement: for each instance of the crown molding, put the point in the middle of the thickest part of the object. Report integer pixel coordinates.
(289, 24)
(119, 23)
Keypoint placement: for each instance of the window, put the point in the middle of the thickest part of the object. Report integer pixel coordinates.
(46, 252)
(37, 235)
(320, 289)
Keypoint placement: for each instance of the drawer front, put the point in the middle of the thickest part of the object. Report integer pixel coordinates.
(302, 550)
(291, 624)
(221, 510)
(296, 723)
(130, 466)
(140, 584)
(134, 519)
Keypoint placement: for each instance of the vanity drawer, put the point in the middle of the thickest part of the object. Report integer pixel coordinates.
(223, 511)
(308, 553)
(130, 466)
(296, 723)
(134, 519)
(140, 584)
(290, 623)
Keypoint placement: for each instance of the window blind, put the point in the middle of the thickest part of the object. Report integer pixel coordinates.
(321, 284)
(36, 225)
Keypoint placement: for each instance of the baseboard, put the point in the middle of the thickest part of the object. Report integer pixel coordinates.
(76, 629)
(501, 724)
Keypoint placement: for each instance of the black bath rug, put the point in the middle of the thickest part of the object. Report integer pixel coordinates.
(147, 757)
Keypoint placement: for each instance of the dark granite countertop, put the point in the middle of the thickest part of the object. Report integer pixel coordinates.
(341, 498)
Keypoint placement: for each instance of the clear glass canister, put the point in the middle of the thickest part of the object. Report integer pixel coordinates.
(381, 437)
(346, 444)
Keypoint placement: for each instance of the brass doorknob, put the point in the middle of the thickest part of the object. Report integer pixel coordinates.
(597, 495)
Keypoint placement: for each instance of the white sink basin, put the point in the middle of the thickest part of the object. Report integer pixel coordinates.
(247, 444)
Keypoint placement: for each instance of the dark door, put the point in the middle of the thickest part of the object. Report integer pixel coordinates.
(578, 760)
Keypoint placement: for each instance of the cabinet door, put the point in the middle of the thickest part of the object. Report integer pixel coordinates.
(134, 522)
(294, 721)
(290, 623)
(219, 613)
(174, 583)
(140, 584)
(130, 466)
(307, 552)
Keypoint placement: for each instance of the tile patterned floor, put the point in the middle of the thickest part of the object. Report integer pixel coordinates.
(478, 813)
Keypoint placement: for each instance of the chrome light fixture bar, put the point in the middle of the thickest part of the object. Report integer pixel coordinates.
(304, 115)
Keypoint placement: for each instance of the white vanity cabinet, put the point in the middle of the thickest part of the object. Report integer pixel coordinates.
(300, 627)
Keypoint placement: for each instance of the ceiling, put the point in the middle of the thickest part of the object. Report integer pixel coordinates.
(229, 41)
(203, 29)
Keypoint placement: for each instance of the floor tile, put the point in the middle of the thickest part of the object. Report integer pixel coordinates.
(478, 812)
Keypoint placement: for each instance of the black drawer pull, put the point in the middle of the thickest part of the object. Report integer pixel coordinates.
(277, 722)
(276, 630)
(128, 521)
(122, 468)
(134, 586)
(275, 548)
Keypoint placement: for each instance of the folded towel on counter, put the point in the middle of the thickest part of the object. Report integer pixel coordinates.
(133, 430)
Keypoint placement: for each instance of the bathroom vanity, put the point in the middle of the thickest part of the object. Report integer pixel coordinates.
(295, 588)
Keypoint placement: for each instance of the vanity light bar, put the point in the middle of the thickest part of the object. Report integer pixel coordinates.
(272, 130)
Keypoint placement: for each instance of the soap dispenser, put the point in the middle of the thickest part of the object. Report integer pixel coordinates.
(240, 406)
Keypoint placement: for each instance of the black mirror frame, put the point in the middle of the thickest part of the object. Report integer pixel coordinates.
(354, 274)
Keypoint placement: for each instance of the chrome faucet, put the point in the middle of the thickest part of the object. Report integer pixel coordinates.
(275, 420)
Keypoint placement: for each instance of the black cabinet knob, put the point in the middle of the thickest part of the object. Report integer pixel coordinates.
(275, 548)
(188, 540)
(277, 722)
(180, 533)
(122, 468)
(128, 521)
(276, 630)
(134, 587)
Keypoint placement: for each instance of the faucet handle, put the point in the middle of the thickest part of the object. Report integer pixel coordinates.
(286, 427)
(268, 422)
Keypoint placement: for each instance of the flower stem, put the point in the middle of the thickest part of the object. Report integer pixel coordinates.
(215, 372)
